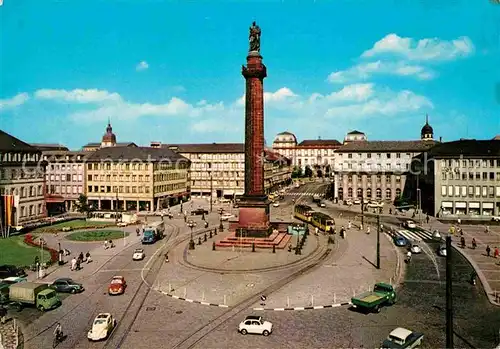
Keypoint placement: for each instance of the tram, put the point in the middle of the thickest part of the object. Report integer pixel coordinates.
(323, 222)
(303, 212)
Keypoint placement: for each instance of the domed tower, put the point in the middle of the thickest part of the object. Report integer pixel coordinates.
(109, 138)
(427, 133)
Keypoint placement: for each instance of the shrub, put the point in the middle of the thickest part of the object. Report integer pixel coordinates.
(28, 240)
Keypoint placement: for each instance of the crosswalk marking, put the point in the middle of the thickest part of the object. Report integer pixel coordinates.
(302, 194)
(416, 235)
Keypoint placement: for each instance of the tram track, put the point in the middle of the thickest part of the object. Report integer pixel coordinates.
(197, 336)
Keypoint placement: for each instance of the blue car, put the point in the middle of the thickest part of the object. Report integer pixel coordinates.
(400, 241)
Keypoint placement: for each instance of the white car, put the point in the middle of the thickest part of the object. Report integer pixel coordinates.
(357, 202)
(255, 325)
(103, 325)
(442, 251)
(138, 255)
(226, 216)
(410, 224)
(121, 224)
(415, 249)
(276, 204)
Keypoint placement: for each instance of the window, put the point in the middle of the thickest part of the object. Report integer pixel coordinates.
(388, 193)
(471, 191)
(349, 192)
(359, 193)
(398, 179)
(369, 193)
(388, 155)
(477, 191)
(485, 191)
(457, 190)
(471, 176)
(349, 156)
(369, 155)
(443, 176)
(89, 178)
(378, 193)
(491, 192)
(388, 178)
(464, 176)
(398, 155)
(349, 179)
(443, 190)
(68, 178)
(89, 189)
(485, 176)
(398, 192)
(464, 190)
(492, 176)
(450, 190)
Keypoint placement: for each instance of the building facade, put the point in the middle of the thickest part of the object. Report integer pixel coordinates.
(64, 179)
(460, 179)
(318, 154)
(21, 182)
(218, 169)
(376, 170)
(136, 178)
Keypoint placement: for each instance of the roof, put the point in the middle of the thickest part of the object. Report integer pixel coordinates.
(320, 143)
(467, 148)
(253, 317)
(286, 133)
(400, 332)
(60, 155)
(207, 147)
(355, 132)
(49, 146)
(274, 156)
(386, 146)
(125, 154)
(119, 144)
(11, 143)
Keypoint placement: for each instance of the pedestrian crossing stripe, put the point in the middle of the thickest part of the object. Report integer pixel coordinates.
(418, 236)
(302, 194)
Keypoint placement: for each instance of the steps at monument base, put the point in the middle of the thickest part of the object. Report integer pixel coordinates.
(280, 241)
(233, 237)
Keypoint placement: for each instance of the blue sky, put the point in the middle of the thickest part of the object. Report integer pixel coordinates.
(170, 71)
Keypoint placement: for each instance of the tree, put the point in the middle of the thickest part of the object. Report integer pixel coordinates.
(82, 204)
(308, 172)
(297, 172)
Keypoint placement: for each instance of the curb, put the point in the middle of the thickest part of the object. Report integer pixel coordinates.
(194, 301)
(305, 308)
(486, 286)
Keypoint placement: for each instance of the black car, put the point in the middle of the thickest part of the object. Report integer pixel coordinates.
(199, 212)
(7, 271)
(66, 285)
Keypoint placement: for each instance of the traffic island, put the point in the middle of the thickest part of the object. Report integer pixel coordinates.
(97, 235)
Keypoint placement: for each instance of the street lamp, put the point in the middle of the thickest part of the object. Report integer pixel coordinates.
(221, 226)
(191, 241)
(419, 205)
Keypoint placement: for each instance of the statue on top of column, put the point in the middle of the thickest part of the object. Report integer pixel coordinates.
(254, 38)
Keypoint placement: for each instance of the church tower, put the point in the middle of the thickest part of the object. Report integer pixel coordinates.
(427, 133)
(109, 138)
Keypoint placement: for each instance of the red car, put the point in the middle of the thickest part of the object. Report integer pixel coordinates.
(117, 286)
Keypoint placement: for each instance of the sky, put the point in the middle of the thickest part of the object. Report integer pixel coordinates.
(170, 71)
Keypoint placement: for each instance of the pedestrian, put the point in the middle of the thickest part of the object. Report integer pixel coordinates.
(368, 230)
(105, 244)
(427, 219)
(390, 210)
(73, 264)
(462, 242)
(459, 221)
(3, 315)
(185, 218)
(89, 258)
(78, 263)
(316, 231)
(80, 257)
(488, 250)
(496, 253)
(349, 225)
(474, 243)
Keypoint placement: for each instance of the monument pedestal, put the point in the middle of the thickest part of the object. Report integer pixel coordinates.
(253, 219)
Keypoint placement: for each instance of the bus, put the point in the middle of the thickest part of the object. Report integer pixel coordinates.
(323, 222)
(303, 212)
(153, 232)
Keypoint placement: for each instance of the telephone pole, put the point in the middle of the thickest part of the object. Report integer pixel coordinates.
(449, 297)
(362, 214)
(378, 241)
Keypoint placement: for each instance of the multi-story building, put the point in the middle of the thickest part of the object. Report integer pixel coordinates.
(317, 154)
(108, 140)
(64, 179)
(136, 178)
(21, 182)
(459, 179)
(376, 170)
(218, 169)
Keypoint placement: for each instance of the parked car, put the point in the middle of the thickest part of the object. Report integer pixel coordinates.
(103, 325)
(11, 270)
(276, 204)
(117, 286)
(442, 251)
(255, 325)
(495, 218)
(226, 216)
(415, 249)
(403, 338)
(357, 202)
(199, 212)
(13, 280)
(321, 204)
(122, 224)
(67, 285)
(138, 255)
(400, 241)
(410, 224)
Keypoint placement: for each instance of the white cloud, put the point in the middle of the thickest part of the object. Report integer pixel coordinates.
(143, 65)
(79, 95)
(364, 71)
(15, 101)
(430, 49)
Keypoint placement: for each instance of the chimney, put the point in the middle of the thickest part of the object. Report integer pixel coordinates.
(440, 139)
(155, 144)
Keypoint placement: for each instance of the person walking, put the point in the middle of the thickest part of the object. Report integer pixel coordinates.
(89, 258)
(496, 253)
(368, 230)
(427, 219)
(488, 250)
(73, 264)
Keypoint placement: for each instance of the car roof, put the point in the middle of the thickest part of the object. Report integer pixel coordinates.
(253, 317)
(64, 279)
(118, 277)
(400, 332)
(139, 250)
(103, 316)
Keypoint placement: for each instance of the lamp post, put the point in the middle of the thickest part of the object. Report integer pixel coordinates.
(378, 241)
(211, 188)
(419, 205)
(191, 241)
(221, 226)
(362, 213)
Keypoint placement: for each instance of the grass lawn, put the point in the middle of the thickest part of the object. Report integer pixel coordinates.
(75, 224)
(14, 251)
(96, 235)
